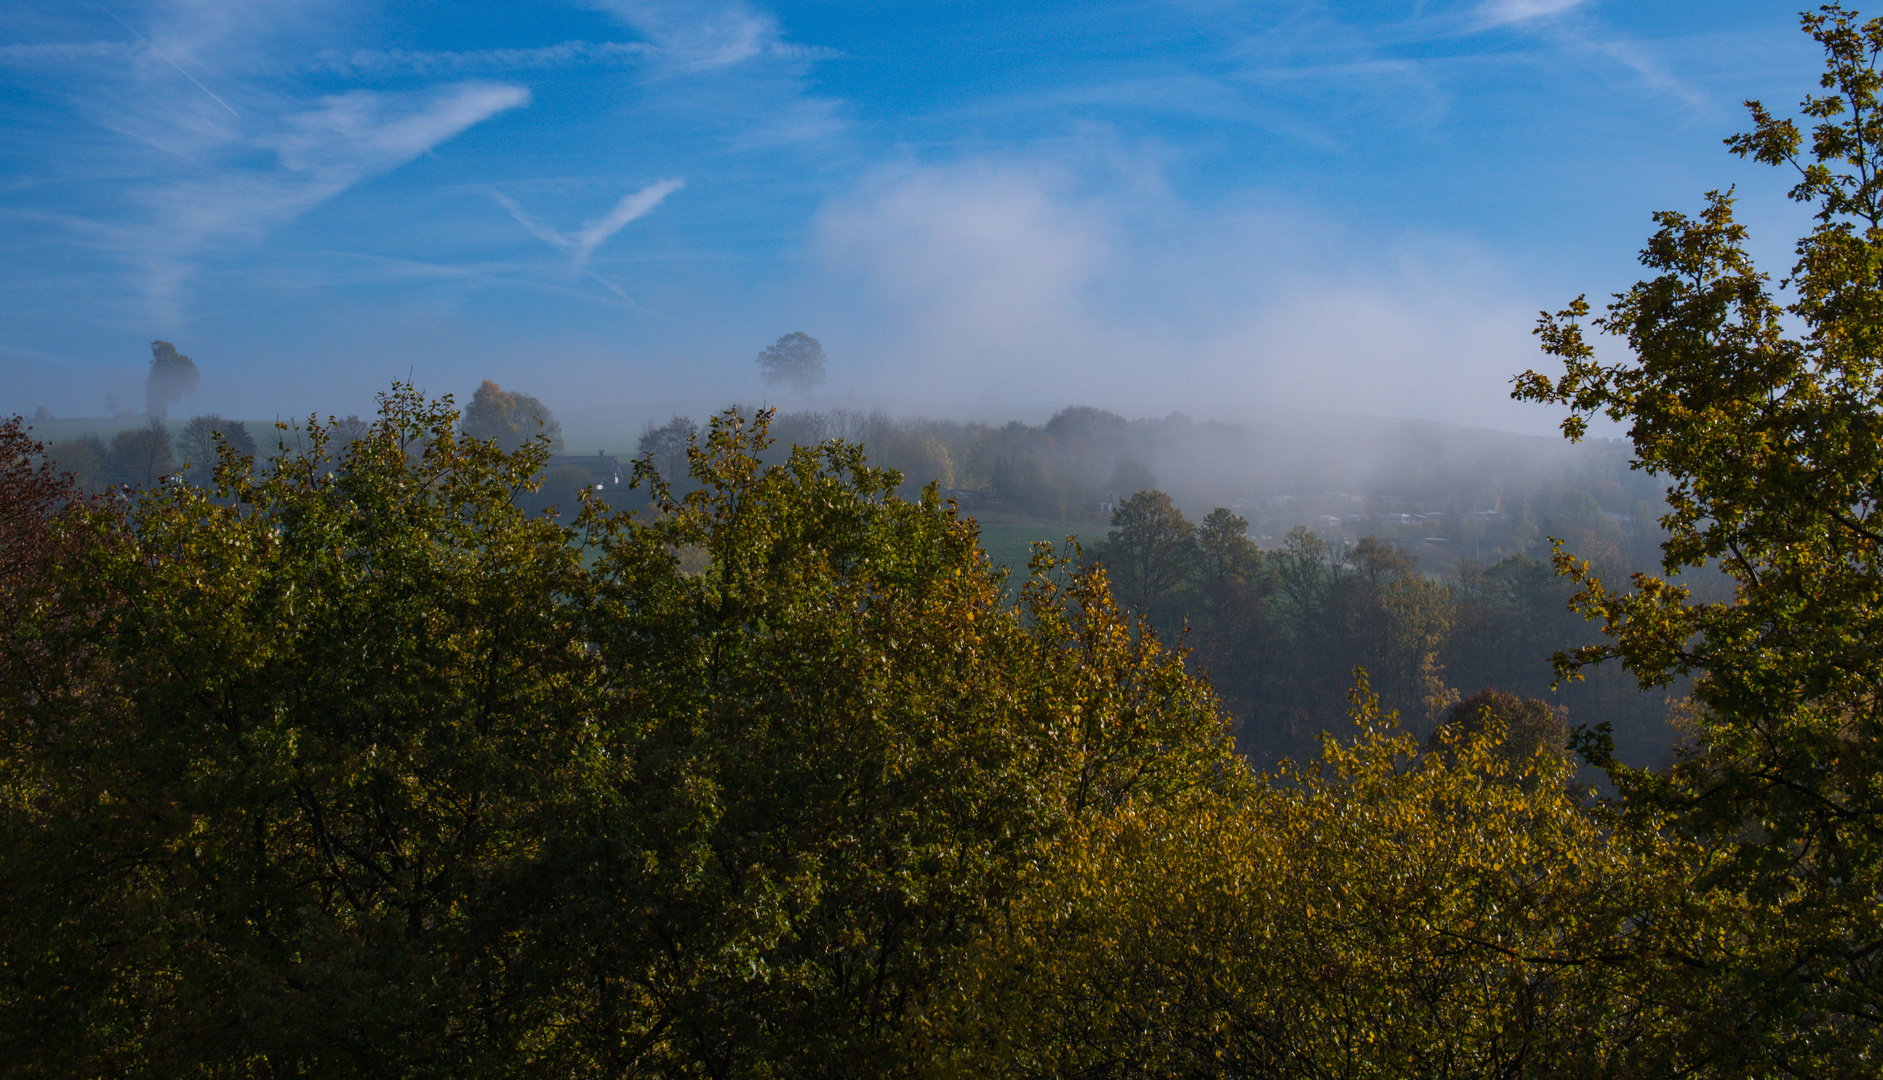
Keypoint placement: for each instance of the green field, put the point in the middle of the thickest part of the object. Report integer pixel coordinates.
(1011, 545)
(52, 431)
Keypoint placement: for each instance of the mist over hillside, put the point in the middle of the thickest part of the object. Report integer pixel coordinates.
(1291, 549)
(1441, 489)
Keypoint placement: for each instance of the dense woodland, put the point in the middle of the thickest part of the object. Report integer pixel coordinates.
(351, 760)
(352, 765)
(1279, 620)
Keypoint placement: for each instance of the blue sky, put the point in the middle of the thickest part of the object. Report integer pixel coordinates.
(1188, 204)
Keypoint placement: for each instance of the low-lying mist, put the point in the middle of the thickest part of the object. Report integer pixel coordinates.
(1290, 550)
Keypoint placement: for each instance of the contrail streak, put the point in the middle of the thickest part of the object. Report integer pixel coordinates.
(167, 60)
(585, 240)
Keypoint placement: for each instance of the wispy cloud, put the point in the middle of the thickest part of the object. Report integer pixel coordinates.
(1586, 37)
(59, 53)
(694, 37)
(1411, 67)
(1647, 68)
(319, 152)
(433, 62)
(582, 243)
(376, 269)
(356, 134)
(1504, 12)
(236, 156)
(166, 55)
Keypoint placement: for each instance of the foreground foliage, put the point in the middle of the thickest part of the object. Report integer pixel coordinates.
(366, 771)
(350, 767)
(1773, 445)
(362, 770)
(1376, 913)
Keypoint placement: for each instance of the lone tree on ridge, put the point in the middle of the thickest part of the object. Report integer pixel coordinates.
(795, 361)
(172, 375)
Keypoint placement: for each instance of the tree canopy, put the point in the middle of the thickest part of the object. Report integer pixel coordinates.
(1764, 412)
(511, 418)
(795, 362)
(172, 375)
(197, 443)
(353, 767)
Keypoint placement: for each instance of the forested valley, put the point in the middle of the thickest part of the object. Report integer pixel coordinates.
(1286, 556)
(418, 745)
(1434, 577)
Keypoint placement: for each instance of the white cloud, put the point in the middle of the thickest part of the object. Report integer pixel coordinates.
(1504, 12)
(701, 36)
(319, 153)
(983, 260)
(1012, 278)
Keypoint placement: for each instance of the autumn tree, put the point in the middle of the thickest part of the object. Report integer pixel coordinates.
(1151, 553)
(1764, 411)
(36, 494)
(319, 720)
(511, 418)
(1226, 556)
(1526, 726)
(1373, 911)
(852, 744)
(363, 770)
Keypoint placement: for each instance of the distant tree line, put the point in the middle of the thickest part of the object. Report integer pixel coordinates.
(1073, 470)
(144, 455)
(1279, 630)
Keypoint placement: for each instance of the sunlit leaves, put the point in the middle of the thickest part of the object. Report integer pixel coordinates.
(1772, 444)
(1375, 912)
(360, 770)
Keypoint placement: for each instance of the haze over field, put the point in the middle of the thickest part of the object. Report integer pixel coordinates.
(987, 211)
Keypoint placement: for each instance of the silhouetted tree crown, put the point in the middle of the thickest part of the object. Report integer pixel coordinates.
(196, 444)
(172, 375)
(666, 446)
(141, 456)
(795, 362)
